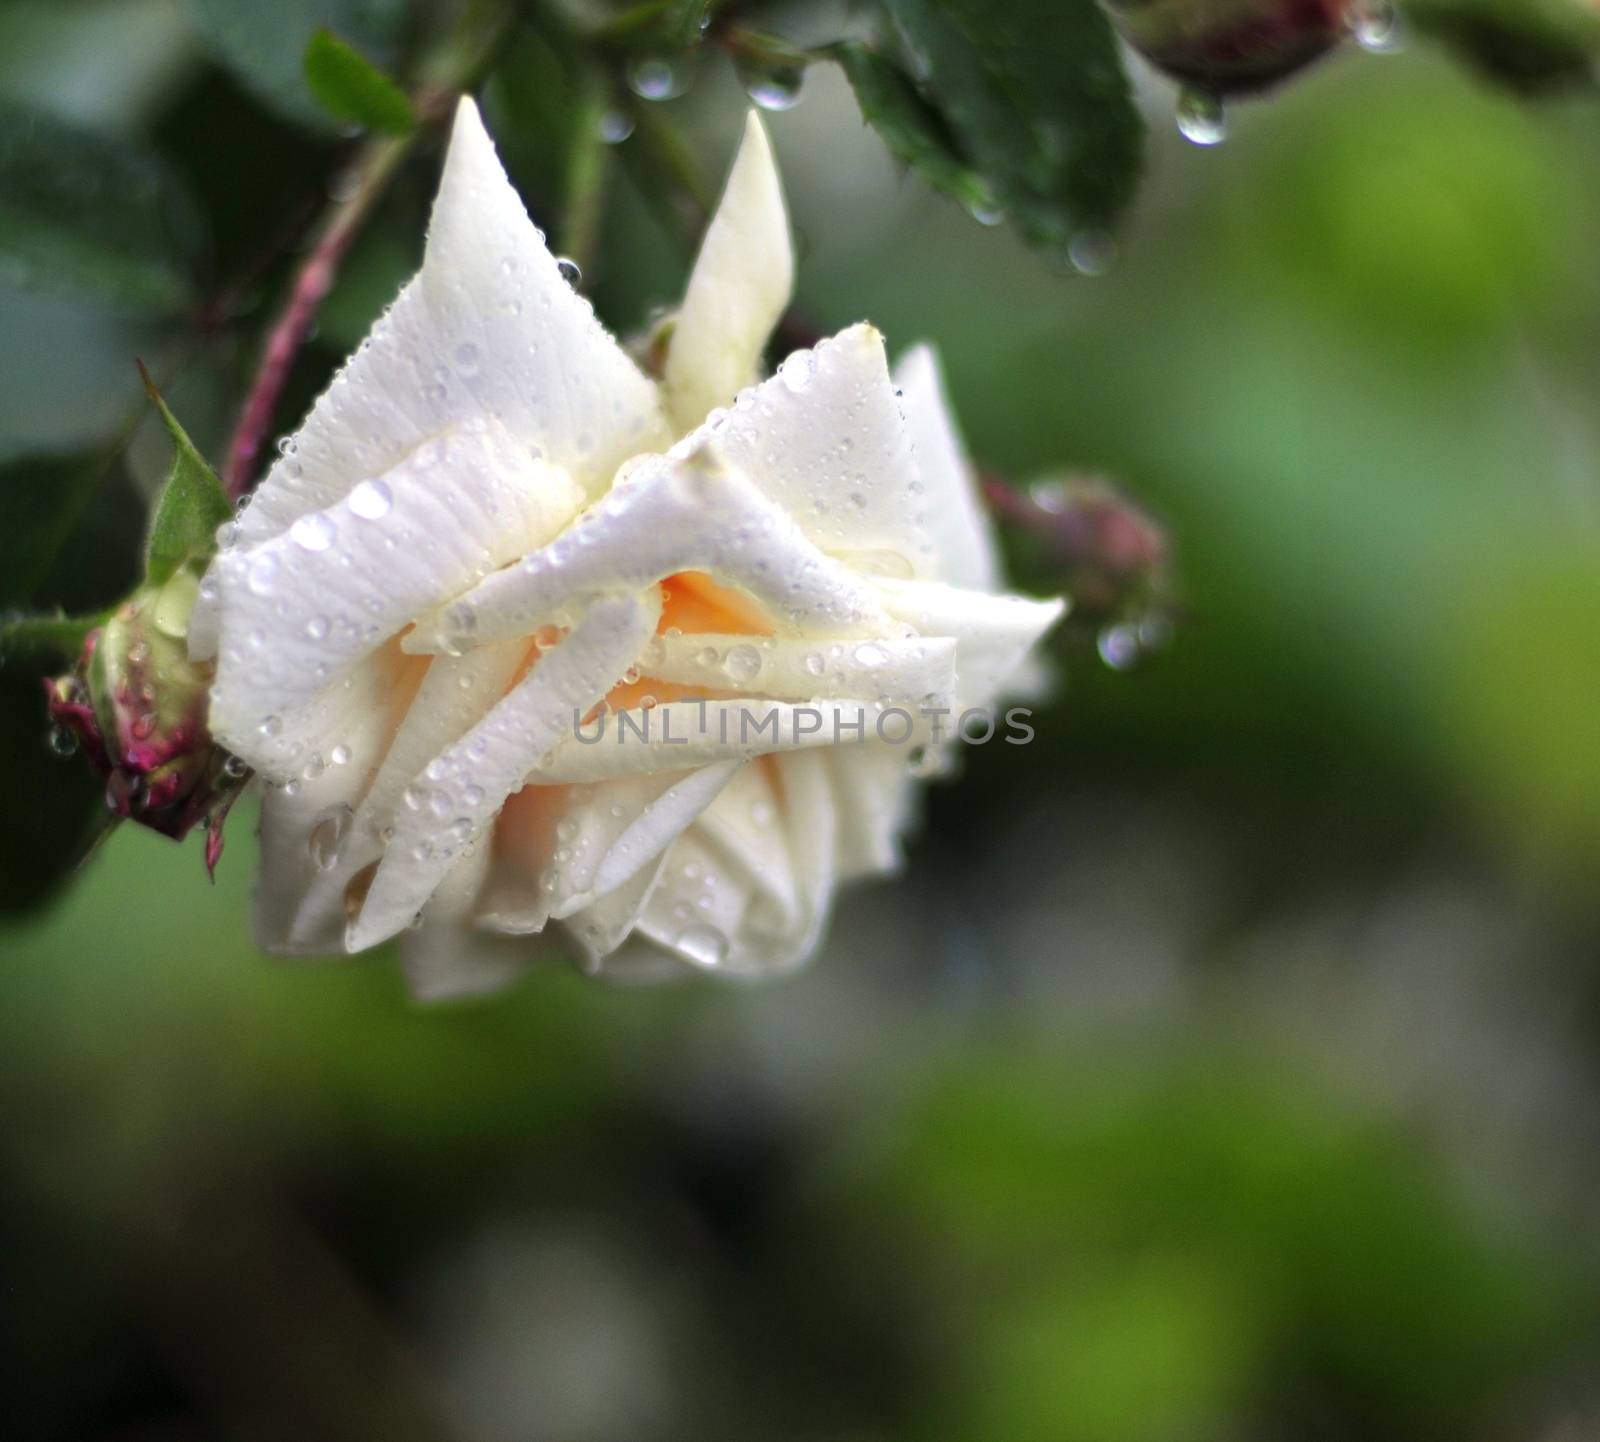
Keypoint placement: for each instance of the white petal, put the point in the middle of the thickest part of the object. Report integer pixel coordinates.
(447, 962)
(958, 524)
(825, 440)
(737, 292)
(455, 694)
(873, 794)
(745, 830)
(465, 786)
(707, 909)
(900, 670)
(606, 923)
(488, 327)
(993, 634)
(306, 827)
(302, 607)
(618, 828)
(666, 516)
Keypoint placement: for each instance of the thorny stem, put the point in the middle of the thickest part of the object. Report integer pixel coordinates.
(365, 181)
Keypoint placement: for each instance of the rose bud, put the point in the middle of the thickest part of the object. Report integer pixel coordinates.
(1232, 47)
(137, 706)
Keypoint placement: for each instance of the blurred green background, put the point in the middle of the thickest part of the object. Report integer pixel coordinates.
(1223, 1067)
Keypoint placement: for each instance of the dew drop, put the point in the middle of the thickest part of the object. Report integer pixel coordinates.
(1118, 646)
(371, 500)
(773, 87)
(743, 663)
(702, 945)
(815, 664)
(798, 369)
(312, 533)
(62, 741)
(1092, 252)
(317, 628)
(1378, 27)
(262, 576)
(340, 755)
(467, 359)
(615, 126)
(571, 271)
(986, 211)
(327, 838)
(1201, 117)
(653, 77)
(272, 726)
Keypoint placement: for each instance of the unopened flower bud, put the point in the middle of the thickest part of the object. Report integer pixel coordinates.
(1228, 47)
(137, 705)
(1106, 553)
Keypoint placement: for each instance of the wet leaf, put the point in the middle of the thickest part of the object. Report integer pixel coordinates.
(351, 88)
(1036, 97)
(912, 129)
(265, 45)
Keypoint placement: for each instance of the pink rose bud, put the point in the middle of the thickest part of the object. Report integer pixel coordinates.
(1229, 47)
(137, 705)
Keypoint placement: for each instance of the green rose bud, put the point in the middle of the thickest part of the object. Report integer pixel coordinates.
(137, 705)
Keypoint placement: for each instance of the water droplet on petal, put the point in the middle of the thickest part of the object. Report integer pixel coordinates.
(571, 271)
(371, 500)
(62, 740)
(327, 837)
(317, 628)
(263, 574)
(798, 369)
(312, 533)
(743, 663)
(703, 946)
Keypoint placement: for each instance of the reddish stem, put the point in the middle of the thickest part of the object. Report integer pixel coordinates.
(364, 184)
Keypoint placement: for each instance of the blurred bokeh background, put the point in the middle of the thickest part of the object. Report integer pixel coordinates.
(1224, 1066)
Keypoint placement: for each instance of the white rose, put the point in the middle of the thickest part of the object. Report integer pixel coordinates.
(492, 523)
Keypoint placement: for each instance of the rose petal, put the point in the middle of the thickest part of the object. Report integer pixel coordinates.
(667, 516)
(302, 607)
(825, 441)
(451, 962)
(737, 291)
(465, 786)
(992, 633)
(900, 670)
(873, 795)
(305, 827)
(489, 326)
(958, 524)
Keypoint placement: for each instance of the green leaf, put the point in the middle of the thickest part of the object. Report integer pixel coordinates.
(1528, 45)
(192, 503)
(1036, 97)
(351, 88)
(86, 216)
(265, 44)
(912, 129)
